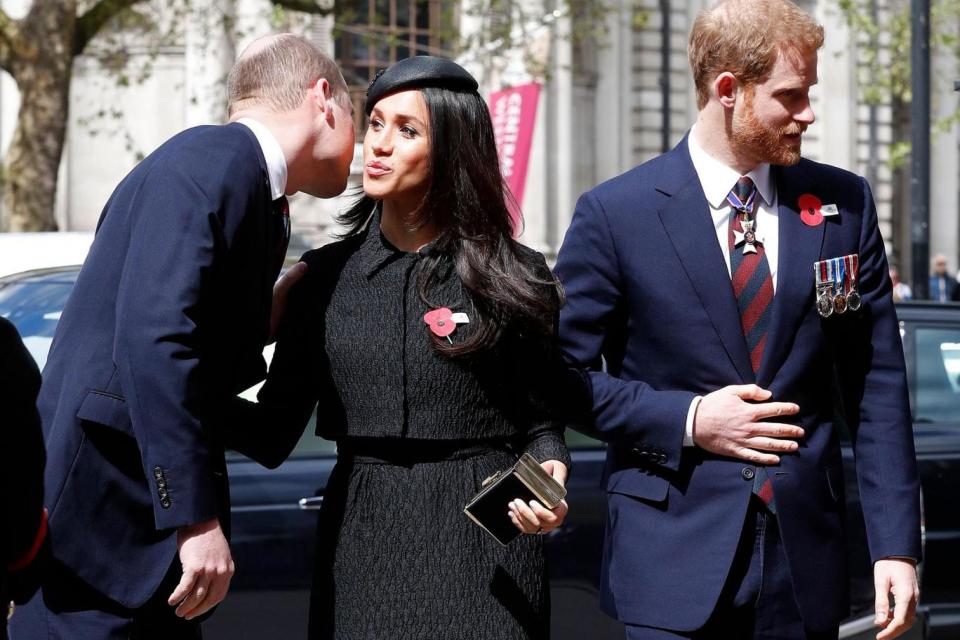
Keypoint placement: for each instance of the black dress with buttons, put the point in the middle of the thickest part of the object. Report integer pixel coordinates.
(417, 433)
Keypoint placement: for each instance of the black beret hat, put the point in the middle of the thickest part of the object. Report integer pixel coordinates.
(418, 72)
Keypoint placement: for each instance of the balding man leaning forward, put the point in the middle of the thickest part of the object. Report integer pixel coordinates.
(167, 321)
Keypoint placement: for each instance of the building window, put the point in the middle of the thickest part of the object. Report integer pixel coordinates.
(373, 34)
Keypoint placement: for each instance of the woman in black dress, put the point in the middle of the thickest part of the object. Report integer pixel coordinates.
(426, 338)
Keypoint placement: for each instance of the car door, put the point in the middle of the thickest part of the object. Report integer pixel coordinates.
(274, 516)
(932, 346)
(574, 550)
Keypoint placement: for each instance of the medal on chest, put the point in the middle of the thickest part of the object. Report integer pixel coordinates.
(749, 237)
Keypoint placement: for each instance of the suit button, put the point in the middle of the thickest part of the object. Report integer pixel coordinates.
(157, 473)
(635, 451)
(663, 458)
(161, 483)
(747, 473)
(162, 493)
(165, 503)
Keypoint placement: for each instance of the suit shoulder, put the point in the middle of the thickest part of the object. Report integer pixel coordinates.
(829, 183)
(230, 149)
(7, 331)
(626, 193)
(18, 367)
(827, 173)
(640, 177)
(212, 159)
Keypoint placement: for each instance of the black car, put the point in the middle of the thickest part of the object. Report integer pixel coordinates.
(274, 512)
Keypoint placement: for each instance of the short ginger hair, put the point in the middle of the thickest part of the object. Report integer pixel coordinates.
(744, 37)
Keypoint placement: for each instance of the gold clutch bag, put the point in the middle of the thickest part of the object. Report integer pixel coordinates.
(526, 480)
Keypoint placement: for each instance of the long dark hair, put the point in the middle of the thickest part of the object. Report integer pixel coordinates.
(467, 204)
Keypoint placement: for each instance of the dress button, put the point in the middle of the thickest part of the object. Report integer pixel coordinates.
(747, 473)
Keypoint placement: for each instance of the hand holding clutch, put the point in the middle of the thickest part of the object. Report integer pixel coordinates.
(526, 498)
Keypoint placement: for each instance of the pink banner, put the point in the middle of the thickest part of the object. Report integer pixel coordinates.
(514, 112)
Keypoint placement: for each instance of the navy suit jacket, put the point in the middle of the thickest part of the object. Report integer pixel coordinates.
(649, 294)
(949, 285)
(166, 322)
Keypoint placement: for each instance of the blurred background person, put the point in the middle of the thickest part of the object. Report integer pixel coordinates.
(901, 290)
(24, 530)
(942, 284)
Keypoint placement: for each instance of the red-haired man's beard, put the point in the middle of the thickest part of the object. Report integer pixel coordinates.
(764, 142)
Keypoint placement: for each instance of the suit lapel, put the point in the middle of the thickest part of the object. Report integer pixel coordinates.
(685, 216)
(800, 247)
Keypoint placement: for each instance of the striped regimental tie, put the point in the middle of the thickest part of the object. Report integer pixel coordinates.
(753, 288)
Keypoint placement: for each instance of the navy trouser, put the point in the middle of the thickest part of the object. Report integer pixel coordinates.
(757, 601)
(66, 608)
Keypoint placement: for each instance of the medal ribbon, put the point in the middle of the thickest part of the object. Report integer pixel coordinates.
(839, 275)
(820, 272)
(853, 268)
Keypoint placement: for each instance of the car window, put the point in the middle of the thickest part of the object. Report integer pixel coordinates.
(34, 309)
(577, 440)
(937, 376)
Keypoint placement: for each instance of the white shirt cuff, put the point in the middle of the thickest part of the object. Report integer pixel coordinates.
(691, 413)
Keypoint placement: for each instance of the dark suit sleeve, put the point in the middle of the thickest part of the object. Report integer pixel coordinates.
(268, 430)
(624, 411)
(875, 389)
(537, 370)
(176, 235)
(22, 459)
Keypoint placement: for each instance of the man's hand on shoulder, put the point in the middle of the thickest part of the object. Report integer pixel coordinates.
(896, 577)
(728, 425)
(207, 569)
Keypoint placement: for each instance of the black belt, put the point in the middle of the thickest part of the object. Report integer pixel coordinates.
(403, 452)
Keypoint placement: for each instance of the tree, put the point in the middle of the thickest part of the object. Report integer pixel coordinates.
(38, 51)
(883, 27)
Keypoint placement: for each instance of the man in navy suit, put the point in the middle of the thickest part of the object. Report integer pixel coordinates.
(942, 284)
(738, 297)
(21, 469)
(166, 323)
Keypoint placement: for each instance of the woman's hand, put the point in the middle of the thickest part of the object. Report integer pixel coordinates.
(533, 517)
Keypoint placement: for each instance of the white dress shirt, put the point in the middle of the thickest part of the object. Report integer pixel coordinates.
(717, 180)
(272, 153)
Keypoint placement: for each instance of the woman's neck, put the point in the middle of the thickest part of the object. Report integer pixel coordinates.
(395, 225)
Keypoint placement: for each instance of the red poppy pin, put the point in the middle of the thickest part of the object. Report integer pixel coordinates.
(810, 209)
(442, 322)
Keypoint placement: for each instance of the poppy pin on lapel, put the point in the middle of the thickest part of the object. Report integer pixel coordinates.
(810, 212)
(443, 322)
(813, 211)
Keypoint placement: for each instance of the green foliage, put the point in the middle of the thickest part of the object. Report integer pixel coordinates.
(883, 27)
(513, 25)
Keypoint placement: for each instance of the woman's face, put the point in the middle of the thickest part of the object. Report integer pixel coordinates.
(396, 149)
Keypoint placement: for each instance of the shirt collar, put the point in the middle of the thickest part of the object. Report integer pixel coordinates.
(272, 153)
(717, 179)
